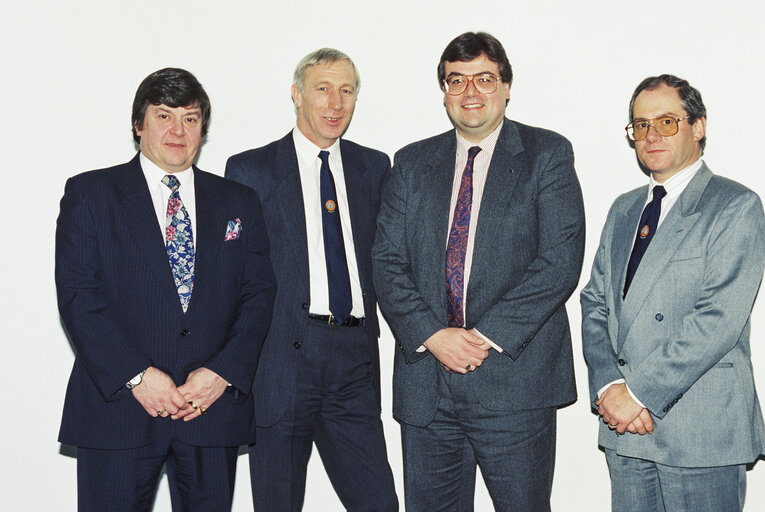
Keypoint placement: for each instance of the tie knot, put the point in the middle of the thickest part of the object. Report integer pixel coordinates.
(324, 156)
(659, 193)
(472, 152)
(171, 182)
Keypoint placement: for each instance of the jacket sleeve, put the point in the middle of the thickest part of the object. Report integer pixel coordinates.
(549, 280)
(87, 315)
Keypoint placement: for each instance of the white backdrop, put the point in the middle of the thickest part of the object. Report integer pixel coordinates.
(70, 70)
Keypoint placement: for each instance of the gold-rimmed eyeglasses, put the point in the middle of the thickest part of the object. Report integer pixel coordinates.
(666, 126)
(485, 83)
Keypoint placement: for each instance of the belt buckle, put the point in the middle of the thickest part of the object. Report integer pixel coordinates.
(332, 321)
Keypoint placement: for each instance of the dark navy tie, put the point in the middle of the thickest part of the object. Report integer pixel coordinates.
(456, 247)
(340, 303)
(649, 221)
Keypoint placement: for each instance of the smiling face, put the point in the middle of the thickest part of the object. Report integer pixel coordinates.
(475, 114)
(325, 105)
(666, 156)
(170, 136)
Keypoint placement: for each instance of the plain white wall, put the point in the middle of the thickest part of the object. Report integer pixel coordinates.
(70, 70)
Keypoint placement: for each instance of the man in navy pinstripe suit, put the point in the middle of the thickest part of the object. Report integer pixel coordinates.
(165, 351)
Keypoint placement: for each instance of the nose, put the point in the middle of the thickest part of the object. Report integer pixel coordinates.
(470, 89)
(652, 135)
(335, 100)
(177, 126)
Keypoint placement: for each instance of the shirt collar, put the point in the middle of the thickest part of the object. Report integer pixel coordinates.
(487, 144)
(154, 174)
(677, 183)
(307, 150)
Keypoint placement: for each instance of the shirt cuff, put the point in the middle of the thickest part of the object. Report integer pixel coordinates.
(621, 381)
(487, 340)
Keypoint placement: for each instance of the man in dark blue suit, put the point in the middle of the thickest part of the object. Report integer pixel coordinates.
(318, 379)
(165, 289)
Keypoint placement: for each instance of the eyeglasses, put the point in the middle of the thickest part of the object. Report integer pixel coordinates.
(666, 126)
(486, 83)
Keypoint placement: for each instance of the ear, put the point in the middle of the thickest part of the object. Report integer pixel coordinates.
(297, 96)
(137, 129)
(699, 128)
(507, 91)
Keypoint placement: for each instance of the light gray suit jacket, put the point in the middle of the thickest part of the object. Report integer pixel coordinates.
(680, 339)
(527, 257)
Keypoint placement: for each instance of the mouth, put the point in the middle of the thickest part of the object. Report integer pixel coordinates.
(175, 145)
(472, 106)
(334, 121)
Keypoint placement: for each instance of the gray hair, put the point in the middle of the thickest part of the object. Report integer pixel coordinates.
(328, 55)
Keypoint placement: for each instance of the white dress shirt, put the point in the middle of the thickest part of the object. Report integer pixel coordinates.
(481, 165)
(160, 193)
(674, 186)
(309, 165)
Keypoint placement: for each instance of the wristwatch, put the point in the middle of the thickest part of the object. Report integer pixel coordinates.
(135, 380)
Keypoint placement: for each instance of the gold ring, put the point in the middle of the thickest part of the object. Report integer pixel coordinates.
(468, 367)
(161, 412)
(202, 410)
(193, 406)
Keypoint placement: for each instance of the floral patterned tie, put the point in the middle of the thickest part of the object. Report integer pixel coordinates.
(456, 248)
(179, 241)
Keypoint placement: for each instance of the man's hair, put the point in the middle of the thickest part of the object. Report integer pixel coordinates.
(323, 55)
(173, 87)
(472, 45)
(690, 98)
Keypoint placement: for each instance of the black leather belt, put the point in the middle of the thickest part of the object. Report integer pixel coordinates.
(351, 321)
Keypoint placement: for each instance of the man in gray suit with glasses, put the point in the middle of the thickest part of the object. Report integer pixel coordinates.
(666, 318)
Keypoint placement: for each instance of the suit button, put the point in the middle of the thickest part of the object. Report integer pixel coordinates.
(184, 332)
(621, 362)
(659, 317)
(665, 409)
(297, 345)
(305, 306)
(608, 311)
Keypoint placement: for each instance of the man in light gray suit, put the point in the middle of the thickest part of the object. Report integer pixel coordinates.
(479, 244)
(666, 318)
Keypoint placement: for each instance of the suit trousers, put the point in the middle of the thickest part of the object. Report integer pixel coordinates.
(200, 478)
(334, 405)
(639, 485)
(514, 449)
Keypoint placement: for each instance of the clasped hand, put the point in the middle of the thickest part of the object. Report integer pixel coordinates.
(622, 413)
(159, 396)
(458, 350)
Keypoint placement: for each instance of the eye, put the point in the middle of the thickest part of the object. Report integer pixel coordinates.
(191, 119)
(456, 80)
(163, 116)
(666, 121)
(485, 79)
(348, 92)
(642, 125)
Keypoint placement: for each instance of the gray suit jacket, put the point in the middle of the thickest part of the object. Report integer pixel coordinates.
(526, 263)
(681, 336)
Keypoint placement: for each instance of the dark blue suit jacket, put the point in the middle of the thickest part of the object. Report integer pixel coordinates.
(272, 171)
(120, 307)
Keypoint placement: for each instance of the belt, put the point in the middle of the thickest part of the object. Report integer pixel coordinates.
(330, 320)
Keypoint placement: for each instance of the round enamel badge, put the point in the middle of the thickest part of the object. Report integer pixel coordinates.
(644, 231)
(330, 206)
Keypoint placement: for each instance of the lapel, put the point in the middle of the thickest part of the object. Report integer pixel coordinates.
(357, 193)
(668, 237)
(432, 197)
(625, 226)
(504, 169)
(288, 194)
(137, 210)
(210, 232)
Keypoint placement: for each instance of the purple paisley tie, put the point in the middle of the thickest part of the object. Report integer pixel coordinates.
(457, 246)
